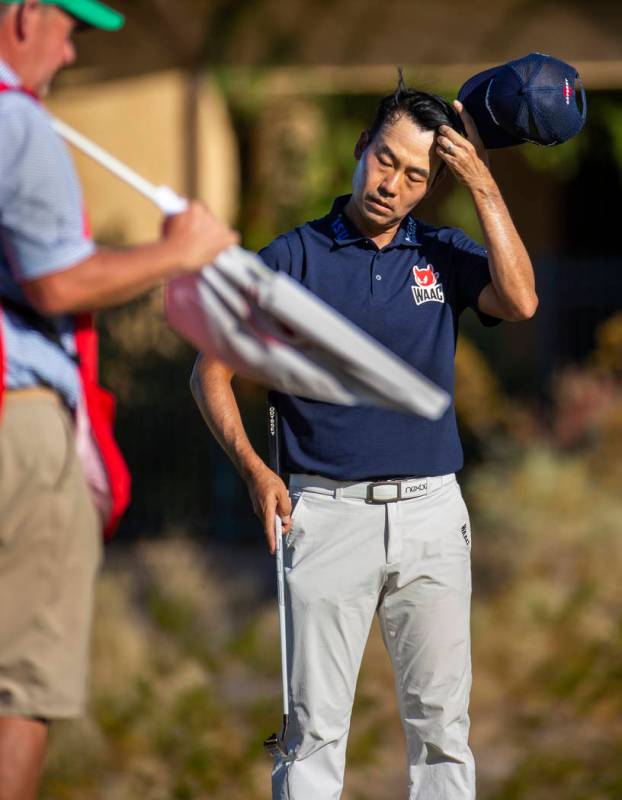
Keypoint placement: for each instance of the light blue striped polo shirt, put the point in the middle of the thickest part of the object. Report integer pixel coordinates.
(41, 232)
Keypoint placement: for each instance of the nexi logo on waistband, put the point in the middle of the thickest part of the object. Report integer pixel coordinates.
(415, 489)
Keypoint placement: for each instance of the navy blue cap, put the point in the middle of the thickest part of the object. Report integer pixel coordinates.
(532, 99)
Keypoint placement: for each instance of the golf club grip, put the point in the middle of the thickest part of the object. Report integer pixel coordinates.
(274, 455)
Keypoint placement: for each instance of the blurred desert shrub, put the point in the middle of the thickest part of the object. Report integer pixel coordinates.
(480, 404)
(605, 456)
(300, 154)
(608, 353)
(547, 618)
(547, 628)
(581, 400)
(489, 418)
(587, 404)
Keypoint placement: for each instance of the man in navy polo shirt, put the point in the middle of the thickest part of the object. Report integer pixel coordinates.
(379, 523)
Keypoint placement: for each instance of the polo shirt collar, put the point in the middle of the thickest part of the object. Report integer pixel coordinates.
(344, 232)
(7, 75)
(408, 233)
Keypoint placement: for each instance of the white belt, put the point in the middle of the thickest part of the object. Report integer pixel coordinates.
(389, 491)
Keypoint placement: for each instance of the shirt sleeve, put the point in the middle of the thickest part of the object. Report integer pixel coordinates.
(41, 212)
(277, 255)
(472, 274)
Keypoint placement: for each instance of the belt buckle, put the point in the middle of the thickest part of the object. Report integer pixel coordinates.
(383, 501)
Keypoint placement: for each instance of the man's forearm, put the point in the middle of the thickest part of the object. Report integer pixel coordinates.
(190, 240)
(211, 388)
(108, 278)
(511, 295)
(510, 266)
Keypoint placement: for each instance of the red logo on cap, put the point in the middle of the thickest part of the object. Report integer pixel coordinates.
(568, 91)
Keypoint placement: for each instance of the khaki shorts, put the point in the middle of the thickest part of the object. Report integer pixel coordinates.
(50, 551)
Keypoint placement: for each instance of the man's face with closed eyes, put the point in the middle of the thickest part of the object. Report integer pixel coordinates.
(395, 170)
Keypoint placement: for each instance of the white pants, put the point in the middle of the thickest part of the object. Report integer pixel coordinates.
(345, 559)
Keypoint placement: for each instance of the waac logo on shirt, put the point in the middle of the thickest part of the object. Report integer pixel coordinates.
(428, 288)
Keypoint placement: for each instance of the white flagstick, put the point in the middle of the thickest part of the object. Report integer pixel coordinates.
(162, 196)
(168, 201)
(241, 267)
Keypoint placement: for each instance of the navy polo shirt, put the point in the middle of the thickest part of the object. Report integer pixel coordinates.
(409, 296)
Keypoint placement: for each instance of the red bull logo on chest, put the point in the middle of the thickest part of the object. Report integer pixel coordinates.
(428, 288)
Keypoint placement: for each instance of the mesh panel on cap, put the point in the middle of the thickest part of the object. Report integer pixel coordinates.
(553, 115)
(504, 97)
(527, 125)
(526, 68)
(552, 73)
(539, 126)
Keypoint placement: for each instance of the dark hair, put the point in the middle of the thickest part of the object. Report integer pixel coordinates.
(427, 111)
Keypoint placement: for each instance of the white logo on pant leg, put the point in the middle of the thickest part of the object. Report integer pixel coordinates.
(428, 288)
(465, 534)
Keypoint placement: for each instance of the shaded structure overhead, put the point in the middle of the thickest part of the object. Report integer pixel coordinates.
(194, 33)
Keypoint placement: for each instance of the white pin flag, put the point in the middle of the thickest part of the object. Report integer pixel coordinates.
(270, 329)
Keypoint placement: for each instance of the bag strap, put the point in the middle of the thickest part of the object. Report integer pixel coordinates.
(38, 322)
(7, 87)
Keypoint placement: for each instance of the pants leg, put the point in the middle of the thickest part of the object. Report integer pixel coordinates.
(424, 616)
(334, 566)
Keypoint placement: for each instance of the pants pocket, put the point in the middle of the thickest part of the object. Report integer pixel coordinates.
(295, 530)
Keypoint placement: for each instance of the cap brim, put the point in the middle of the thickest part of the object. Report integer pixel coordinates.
(472, 95)
(92, 13)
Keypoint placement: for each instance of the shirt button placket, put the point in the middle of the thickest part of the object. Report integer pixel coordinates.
(378, 277)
